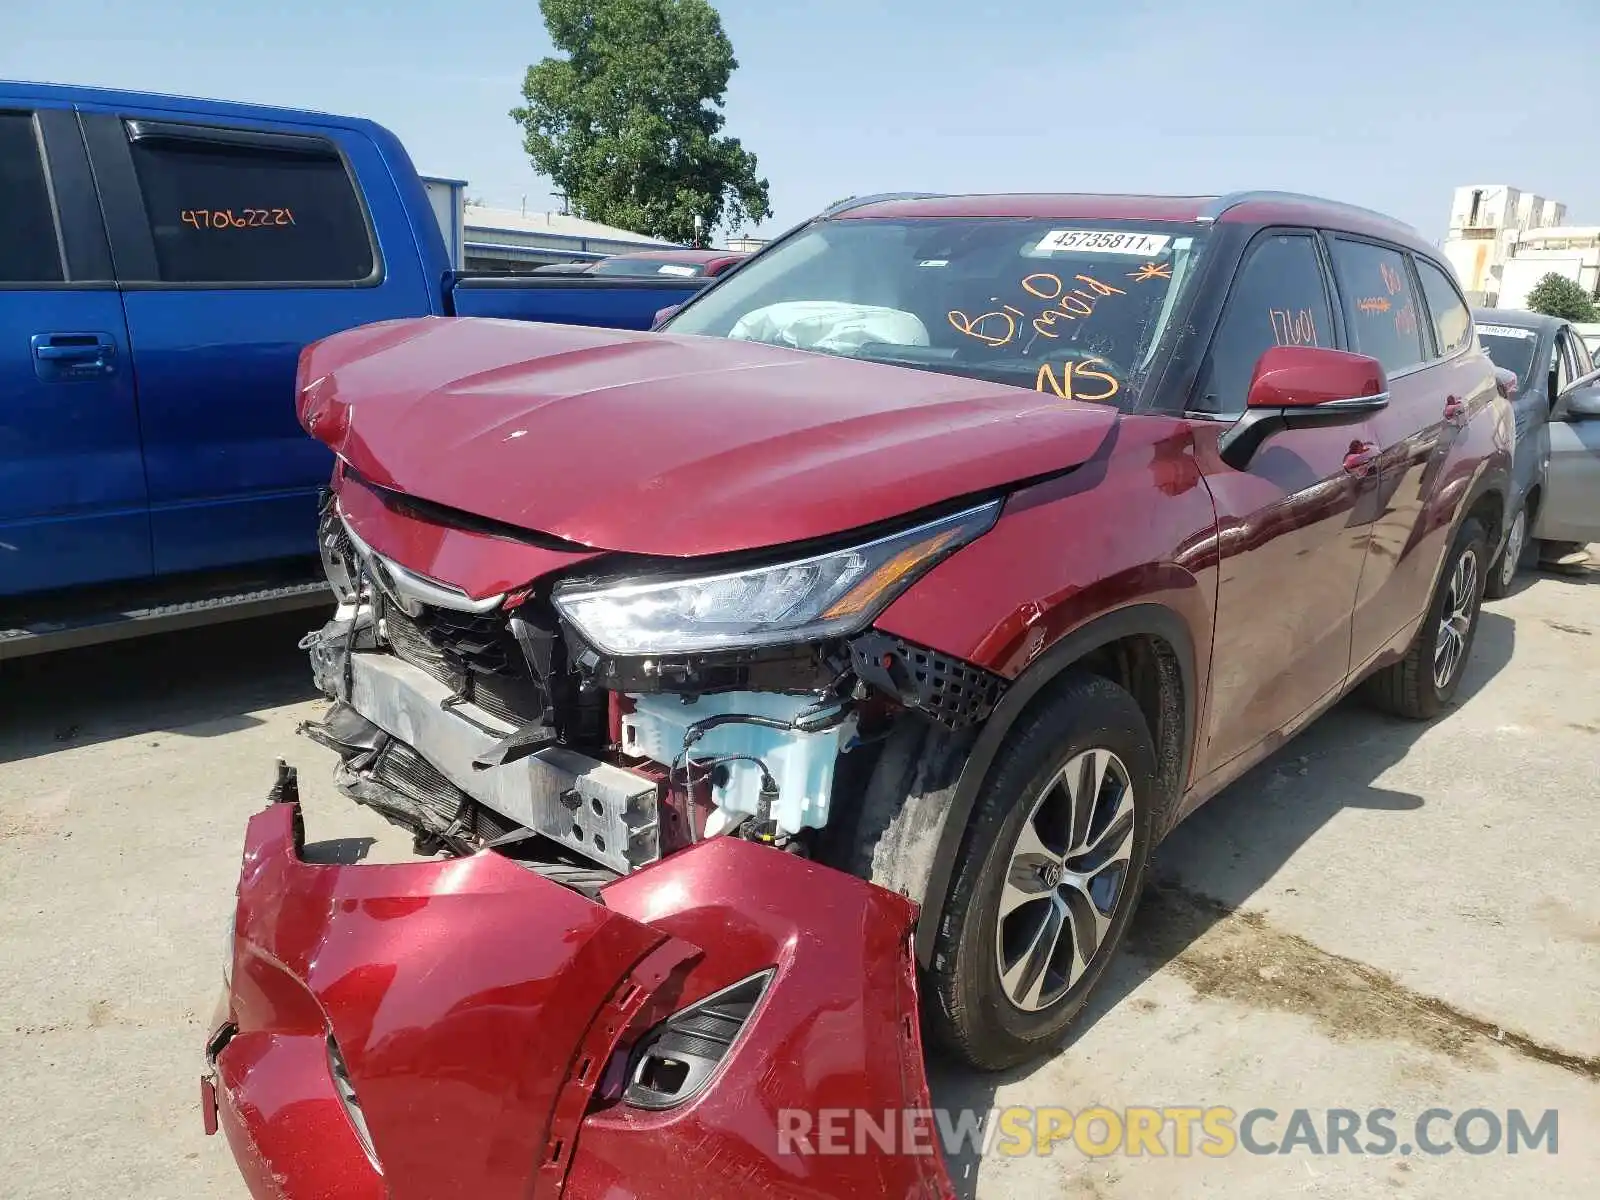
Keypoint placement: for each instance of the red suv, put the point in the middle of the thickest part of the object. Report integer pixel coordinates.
(950, 551)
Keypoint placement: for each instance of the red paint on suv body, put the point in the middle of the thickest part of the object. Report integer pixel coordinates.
(1278, 579)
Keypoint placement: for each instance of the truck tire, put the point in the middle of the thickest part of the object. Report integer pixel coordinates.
(1420, 685)
(1070, 888)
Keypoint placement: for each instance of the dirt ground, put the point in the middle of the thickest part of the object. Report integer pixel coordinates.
(1385, 915)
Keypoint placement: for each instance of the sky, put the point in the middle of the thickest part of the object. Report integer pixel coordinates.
(1388, 104)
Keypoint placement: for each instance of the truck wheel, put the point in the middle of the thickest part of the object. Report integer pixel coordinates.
(1048, 873)
(1425, 680)
(1504, 572)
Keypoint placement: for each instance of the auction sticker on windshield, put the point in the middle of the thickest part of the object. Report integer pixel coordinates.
(1507, 331)
(1102, 241)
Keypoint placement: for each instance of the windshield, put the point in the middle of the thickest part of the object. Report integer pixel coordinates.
(1073, 308)
(1512, 348)
(647, 266)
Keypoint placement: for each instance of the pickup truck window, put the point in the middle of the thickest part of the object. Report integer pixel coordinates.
(1379, 309)
(229, 212)
(1452, 323)
(29, 249)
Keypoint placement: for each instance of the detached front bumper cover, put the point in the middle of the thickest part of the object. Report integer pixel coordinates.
(465, 1027)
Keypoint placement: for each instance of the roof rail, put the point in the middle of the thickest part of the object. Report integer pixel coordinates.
(1213, 211)
(849, 202)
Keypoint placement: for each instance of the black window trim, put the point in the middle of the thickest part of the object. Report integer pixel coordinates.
(1424, 328)
(111, 136)
(1203, 375)
(31, 115)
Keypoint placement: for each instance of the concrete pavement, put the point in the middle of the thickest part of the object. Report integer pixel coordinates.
(1384, 915)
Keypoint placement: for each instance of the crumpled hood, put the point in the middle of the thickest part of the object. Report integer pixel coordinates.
(668, 444)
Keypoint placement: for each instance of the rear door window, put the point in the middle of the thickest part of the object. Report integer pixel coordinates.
(1279, 298)
(1380, 309)
(1452, 320)
(235, 207)
(30, 251)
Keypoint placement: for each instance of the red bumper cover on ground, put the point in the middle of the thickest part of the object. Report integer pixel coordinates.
(480, 1017)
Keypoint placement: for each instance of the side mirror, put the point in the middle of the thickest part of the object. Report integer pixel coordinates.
(1301, 386)
(663, 314)
(1580, 403)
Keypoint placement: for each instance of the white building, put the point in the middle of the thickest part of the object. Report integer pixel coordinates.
(1486, 223)
(1569, 250)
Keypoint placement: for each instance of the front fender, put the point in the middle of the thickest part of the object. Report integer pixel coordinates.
(1134, 620)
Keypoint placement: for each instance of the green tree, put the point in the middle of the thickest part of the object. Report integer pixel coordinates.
(627, 124)
(1557, 296)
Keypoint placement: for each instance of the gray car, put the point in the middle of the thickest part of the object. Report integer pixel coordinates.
(1556, 468)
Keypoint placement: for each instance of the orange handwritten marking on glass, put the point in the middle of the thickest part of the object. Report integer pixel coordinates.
(1391, 278)
(1063, 387)
(1101, 289)
(248, 218)
(1373, 304)
(1027, 285)
(1293, 328)
(973, 327)
(1151, 271)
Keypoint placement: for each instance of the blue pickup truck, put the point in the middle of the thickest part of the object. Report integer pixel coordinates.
(162, 263)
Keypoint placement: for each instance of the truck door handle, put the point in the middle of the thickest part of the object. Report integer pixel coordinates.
(1455, 410)
(63, 356)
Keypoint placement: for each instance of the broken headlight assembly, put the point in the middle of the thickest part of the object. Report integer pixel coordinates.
(832, 594)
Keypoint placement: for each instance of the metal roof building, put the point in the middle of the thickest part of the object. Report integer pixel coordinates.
(505, 240)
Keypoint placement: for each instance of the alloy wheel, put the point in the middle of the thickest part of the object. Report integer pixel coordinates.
(1450, 644)
(1511, 556)
(1064, 879)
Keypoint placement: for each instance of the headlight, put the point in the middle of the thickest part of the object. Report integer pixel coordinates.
(827, 595)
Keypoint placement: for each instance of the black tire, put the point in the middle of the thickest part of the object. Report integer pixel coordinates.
(967, 1011)
(1502, 577)
(1410, 687)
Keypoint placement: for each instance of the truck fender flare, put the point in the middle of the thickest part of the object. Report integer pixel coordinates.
(1137, 619)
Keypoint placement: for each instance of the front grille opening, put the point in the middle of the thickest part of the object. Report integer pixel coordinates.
(474, 655)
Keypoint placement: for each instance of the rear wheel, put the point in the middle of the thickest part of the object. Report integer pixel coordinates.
(1047, 876)
(1426, 679)
(1504, 572)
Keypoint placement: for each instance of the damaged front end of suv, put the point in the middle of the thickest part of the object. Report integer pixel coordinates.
(609, 716)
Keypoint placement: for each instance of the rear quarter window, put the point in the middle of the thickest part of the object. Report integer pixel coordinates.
(1452, 320)
(1380, 309)
(226, 212)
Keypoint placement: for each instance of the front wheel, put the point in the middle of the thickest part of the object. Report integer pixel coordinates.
(1047, 877)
